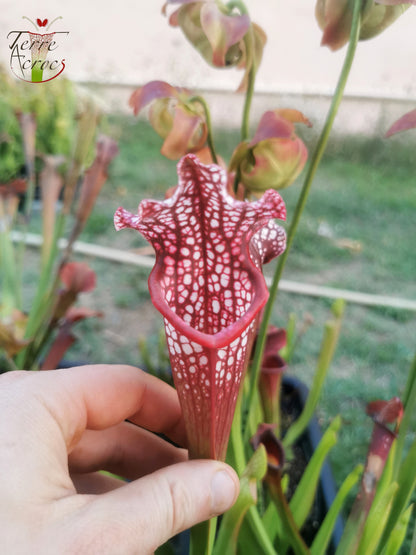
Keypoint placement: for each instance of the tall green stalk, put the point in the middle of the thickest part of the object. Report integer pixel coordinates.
(210, 139)
(312, 168)
(245, 125)
(42, 302)
(8, 272)
(203, 537)
(27, 210)
(249, 40)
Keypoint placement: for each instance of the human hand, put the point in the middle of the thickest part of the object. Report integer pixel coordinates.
(59, 427)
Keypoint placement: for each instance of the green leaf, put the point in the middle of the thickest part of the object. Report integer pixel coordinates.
(203, 537)
(253, 536)
(388, 473)
(235, 452)
(323, 536)
(328, 346)
(231, 523)
(272, 522)
(249, 539)
(409, 404)
(10, 294)
(407, 483)
(304, 495)
(338, 308)
(287, 351)
(398, 534)
(376, 521)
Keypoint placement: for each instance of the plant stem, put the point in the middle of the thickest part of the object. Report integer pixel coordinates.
(231, 523)
(8, 271)
(245, 125)
(249, 42)
(413, 546)
(291, 531)
(43, 298)
(210, 139)
(312, 168)
(328, 346)
(235, 455)
(254, 522)
(323, 536)
(202, 537)
(27, 210)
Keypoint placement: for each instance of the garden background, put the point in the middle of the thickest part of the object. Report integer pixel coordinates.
(359, 227)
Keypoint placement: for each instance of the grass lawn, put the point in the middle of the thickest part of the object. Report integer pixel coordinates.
(358, 233)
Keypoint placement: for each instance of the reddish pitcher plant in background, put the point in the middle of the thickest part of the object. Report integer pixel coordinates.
(174, 115)
(275, 156)
(223, 34)
(406, 122)
(208, 285)
(335, 18)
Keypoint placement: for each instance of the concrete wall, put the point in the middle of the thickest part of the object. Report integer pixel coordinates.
(130, 42)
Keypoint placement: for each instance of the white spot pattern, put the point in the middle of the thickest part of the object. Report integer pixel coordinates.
(209, 250)
(209, 388)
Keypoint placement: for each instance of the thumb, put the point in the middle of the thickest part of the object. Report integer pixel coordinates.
(144, 514)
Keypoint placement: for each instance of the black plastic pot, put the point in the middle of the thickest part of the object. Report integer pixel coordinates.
(293, 398)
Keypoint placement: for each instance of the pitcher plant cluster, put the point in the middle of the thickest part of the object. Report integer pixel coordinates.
(211, 236)
(49, 148)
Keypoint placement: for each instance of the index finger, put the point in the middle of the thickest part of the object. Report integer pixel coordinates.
(100, 396)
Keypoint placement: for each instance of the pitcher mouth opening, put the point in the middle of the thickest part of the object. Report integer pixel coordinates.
(221, 335)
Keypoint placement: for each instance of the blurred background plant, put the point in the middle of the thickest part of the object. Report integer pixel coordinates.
(47, 148)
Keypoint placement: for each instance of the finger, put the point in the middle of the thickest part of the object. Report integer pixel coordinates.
(95, 483)
(153, 509)
(100, 396)
(128, 392)
(125, 450)
(47, 412)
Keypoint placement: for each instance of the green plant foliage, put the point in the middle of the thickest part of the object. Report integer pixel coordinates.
(11, 152)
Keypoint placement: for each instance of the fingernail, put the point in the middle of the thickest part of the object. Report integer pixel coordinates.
(223, 491)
